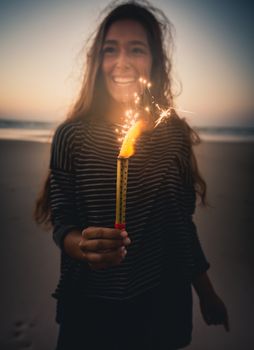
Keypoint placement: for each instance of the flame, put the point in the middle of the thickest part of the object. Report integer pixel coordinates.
(127, 149)
(132, 127)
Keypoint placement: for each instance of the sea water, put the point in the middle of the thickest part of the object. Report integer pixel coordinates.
(44, 131)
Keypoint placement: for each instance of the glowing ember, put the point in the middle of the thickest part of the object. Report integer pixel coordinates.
(127, 149)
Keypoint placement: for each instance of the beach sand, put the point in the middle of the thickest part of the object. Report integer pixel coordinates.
(30, 260)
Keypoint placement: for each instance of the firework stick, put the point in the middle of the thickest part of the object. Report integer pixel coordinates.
(121, 190)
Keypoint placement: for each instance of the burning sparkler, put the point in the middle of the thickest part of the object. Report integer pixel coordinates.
(131, 130)
(127, 150)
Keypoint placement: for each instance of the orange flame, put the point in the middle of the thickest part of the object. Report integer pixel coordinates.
(127, 149)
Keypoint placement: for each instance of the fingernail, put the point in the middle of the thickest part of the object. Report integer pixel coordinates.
(124, 252)
(124, 234)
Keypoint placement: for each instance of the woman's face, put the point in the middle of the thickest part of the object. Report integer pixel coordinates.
(126, 58)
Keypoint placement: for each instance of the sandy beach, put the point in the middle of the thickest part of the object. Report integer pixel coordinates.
(30, 260)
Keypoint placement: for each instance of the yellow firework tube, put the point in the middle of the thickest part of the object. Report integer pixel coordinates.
(121, 190)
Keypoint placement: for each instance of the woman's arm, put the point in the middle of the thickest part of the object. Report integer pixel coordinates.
(202, 285)
(212, 307)
(64, 216)
(71, 245)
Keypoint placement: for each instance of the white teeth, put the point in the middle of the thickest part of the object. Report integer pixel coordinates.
(123, 80)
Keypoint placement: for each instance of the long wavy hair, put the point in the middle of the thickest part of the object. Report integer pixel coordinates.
(160, 33)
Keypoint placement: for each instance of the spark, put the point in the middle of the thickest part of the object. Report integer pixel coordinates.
(132, 115)
(166, 113)
(184, 111)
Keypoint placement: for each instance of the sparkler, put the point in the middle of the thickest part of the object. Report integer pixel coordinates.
(121, 190)
(130, 132)
(127, 150)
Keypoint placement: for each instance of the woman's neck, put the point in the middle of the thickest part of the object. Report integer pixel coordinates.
(116, 112)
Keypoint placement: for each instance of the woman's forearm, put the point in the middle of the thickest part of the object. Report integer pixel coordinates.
(202, 285)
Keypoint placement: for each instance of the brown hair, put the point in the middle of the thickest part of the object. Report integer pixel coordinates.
(160, 33)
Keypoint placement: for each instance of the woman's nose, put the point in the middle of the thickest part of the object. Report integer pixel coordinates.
(122, 59)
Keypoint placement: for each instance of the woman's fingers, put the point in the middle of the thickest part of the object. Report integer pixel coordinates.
(215, 312)
(226, 323)
(216, 316)
(103, 232)
(103, 247)
(100, 245)
(221, 317)
(113, 257)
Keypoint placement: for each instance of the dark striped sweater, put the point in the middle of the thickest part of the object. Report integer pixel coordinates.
(160, 205)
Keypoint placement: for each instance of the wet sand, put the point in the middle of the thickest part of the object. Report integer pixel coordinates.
(30, 260)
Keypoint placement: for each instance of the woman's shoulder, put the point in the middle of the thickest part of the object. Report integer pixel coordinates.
(178, 129)
(180, 137)
(177, 125)
(69, 127)
(69, 132)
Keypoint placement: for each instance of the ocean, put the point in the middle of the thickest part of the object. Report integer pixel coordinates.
(43, 132)
(27, 130)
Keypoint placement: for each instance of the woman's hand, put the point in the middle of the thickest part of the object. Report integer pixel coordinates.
(212, 307)
(103, 247)
(100, 247)
(213, 310)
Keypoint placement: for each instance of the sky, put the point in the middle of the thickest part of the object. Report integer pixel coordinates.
(41, 57)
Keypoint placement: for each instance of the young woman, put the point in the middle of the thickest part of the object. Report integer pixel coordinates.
(127, 289)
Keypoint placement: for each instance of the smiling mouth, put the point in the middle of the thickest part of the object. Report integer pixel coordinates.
(123, 81)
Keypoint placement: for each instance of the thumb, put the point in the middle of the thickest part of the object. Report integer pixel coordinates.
(226, 324)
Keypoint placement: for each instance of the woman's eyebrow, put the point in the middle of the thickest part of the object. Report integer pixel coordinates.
(132, 42)
(138, 42)
(110, 42)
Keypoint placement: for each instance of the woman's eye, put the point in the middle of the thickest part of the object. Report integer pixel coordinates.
(109, 50)
(138, 50)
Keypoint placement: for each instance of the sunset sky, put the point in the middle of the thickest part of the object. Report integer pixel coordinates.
(40, 61)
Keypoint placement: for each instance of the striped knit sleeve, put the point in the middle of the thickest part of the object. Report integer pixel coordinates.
(200, 262)
(188, 206)
(62, 181)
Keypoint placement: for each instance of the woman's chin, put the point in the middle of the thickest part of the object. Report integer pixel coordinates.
(124, 98)
(125, 94)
